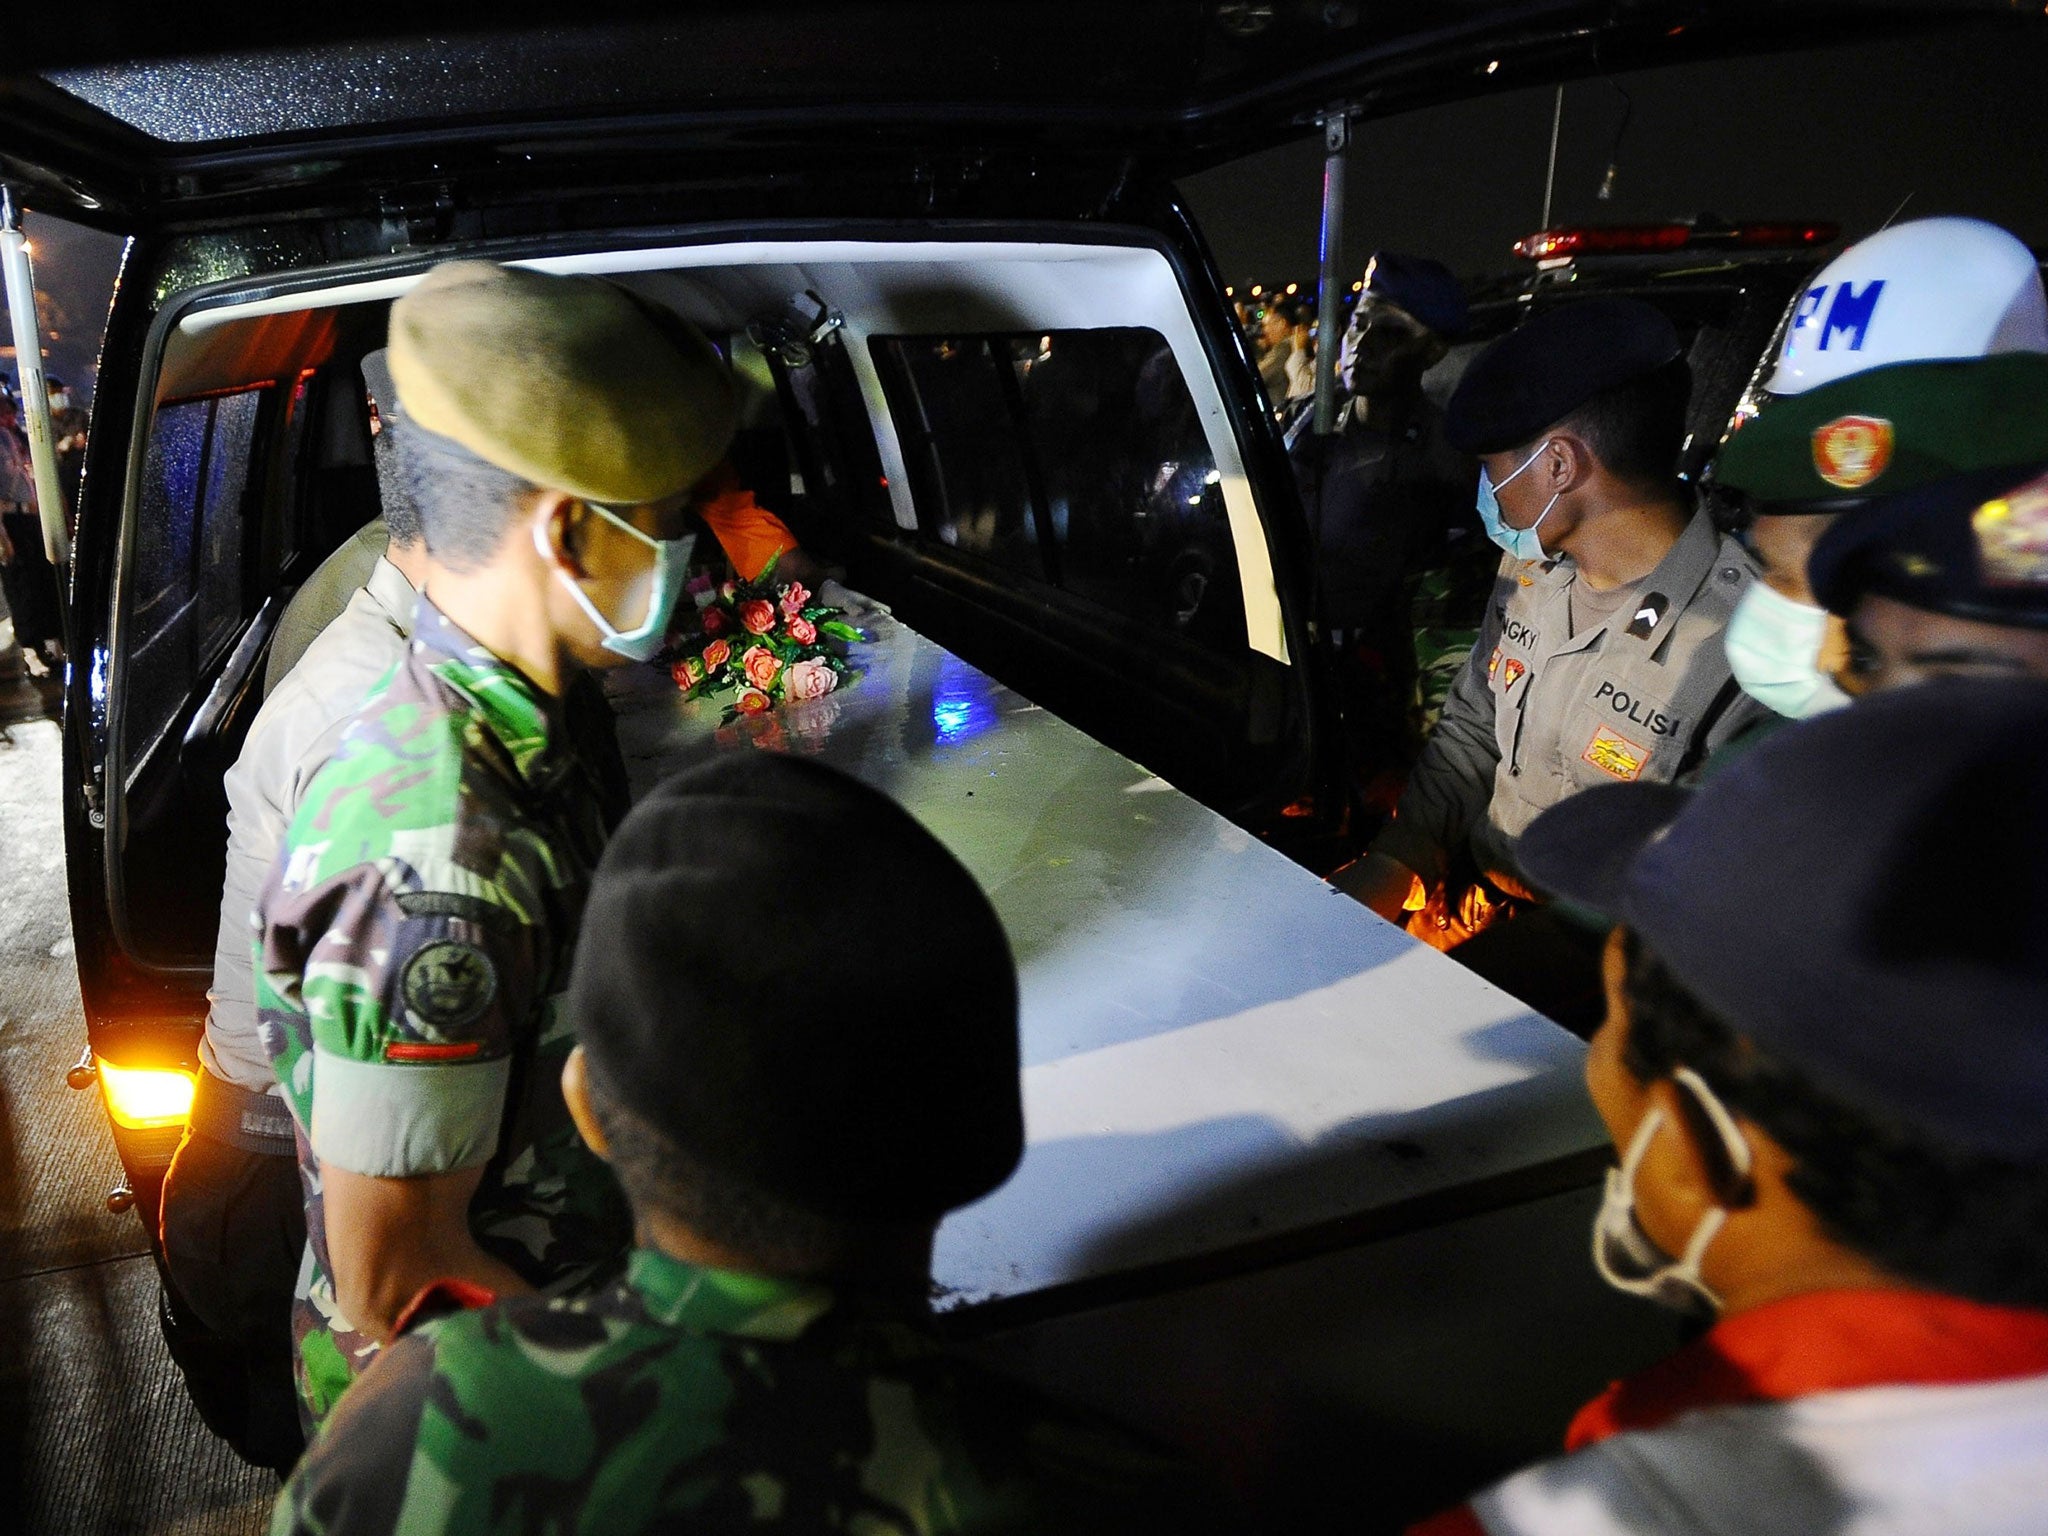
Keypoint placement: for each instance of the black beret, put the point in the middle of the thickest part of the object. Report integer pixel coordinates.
(787, 976)
(1423, 287)
(1550, 365)
(1872, 978)
(1973, 546)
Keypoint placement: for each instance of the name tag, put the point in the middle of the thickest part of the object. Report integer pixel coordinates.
(1615, 700)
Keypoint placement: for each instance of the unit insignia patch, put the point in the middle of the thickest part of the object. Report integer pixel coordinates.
(1851, 451)
(1612, 752)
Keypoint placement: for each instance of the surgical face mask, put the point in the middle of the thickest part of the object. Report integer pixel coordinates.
(1773, 646)
(671, 558)
(1627, 1257)
(1522, 543)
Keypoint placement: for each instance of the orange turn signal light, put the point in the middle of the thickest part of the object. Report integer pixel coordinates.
(145, 1098)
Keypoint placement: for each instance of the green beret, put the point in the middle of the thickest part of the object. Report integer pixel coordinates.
(571, 383)
(1891, 429)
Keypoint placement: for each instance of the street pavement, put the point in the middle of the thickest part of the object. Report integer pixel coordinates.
(96, 1433)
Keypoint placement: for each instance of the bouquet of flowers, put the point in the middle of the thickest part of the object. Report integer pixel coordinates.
(766, 640)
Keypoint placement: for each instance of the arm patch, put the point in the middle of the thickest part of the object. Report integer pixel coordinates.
(448, 984)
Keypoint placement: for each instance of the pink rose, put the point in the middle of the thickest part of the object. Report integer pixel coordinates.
(803, 631)
(757, 617)
(811, 679)
(752, 701)
(760, 664)
(794, 597)
(688, 672)
(713, 620)
(728, 590)
(716, 654)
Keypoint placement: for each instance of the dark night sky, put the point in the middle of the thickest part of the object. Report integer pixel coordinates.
(75, 269)
(1843, 135)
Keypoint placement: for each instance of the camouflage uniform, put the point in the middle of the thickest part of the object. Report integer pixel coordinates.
(704, 1400)
(412, 948)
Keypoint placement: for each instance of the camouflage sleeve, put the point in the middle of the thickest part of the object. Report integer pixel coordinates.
(353, 1479)
(391, 980)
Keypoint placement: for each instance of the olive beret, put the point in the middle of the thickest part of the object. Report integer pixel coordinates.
(1553, 363)
(1889, 429)
(571, 383)
(848, 1046)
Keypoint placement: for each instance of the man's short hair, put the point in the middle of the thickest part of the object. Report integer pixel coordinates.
(727, 1209)
(394, 492)
(1960, 1223)
(465, 505)
(1637, 429)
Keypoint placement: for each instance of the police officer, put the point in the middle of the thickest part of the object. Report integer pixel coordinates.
(1914, 355)
(233, 1221)
(789, 1134)
(1381, 492)
(1828, 1080)
(1600, 660)
(415, 933)
(1948, 579)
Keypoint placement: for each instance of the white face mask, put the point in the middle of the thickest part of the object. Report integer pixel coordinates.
(1773, 646)
(1627, 1257)
(665, 585)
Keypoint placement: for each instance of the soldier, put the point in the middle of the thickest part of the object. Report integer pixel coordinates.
(413, 940)
(793, 1091)
(1601, 657)
(1827, 1072)
(1914, 355)
(233, 1223)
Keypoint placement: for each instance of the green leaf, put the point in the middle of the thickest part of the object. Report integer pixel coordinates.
(840, 631)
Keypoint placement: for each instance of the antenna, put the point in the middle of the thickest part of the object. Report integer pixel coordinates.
(1550, 170)
(1628, 110)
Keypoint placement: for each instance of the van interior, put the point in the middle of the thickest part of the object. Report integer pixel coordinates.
(1022, 448)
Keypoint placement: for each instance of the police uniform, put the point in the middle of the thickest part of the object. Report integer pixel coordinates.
(412, 951)
(1545, 709)
(694, 1399)
(1569, 688)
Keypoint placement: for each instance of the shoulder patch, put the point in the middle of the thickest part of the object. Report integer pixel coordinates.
(448, 984)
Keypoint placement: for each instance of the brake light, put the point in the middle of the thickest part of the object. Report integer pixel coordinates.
(145, 1098)
(1648, 239)
(1548, 244)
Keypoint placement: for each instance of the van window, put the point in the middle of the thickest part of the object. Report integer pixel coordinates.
(187, 573)
(1074, 459)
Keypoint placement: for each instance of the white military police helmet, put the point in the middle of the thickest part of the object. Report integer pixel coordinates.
(1930, 290)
